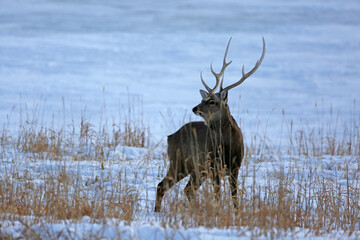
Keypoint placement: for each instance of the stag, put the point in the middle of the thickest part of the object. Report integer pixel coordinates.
(206, 149)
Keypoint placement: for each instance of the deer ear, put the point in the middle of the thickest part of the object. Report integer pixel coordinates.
(224, 95)
(203, 94)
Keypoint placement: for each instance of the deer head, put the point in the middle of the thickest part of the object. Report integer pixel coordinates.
(214, 104)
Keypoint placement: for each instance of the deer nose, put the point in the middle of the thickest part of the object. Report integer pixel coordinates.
(194, 109)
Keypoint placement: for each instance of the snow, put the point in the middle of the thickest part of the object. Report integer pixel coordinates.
(143, 175)
(61, 57)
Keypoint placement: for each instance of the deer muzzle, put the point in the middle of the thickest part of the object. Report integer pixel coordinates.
(197, 112)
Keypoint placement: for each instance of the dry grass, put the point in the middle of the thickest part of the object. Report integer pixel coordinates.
(316, 185)
(56, 198)
(279, 201)
(331, 134)
(58, 195)
(302, 193)
(83, 141)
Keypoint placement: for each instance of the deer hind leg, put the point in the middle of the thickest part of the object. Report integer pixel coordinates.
(167, 183)
(162, 188)
(173, 176)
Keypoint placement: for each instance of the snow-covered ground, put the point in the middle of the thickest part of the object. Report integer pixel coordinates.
(142, 169)
(74, 55)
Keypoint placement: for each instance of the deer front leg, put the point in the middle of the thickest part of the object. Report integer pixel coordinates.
(193, 185)
(233, 185)
(216, 184)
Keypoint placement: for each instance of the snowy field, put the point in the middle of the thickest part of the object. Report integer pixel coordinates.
(93, 52)
(61, 61)
(133, 167)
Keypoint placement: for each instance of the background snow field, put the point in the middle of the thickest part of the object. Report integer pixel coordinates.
(89, 90)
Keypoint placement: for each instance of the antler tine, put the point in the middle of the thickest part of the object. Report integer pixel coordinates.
(245, 76)
(205, 85)
(217, 75)
(221, 84)
(225, 64)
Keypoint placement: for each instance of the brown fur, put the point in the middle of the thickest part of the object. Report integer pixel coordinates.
(203, 150)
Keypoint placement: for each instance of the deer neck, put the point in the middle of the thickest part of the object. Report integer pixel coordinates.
(223, 121)
(224, 129)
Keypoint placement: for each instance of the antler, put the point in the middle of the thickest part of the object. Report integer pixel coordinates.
(245, 76)
(217, 75)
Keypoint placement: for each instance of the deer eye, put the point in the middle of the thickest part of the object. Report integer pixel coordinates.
(211, 102)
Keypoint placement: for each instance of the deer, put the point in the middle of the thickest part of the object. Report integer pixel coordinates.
(204, 149)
